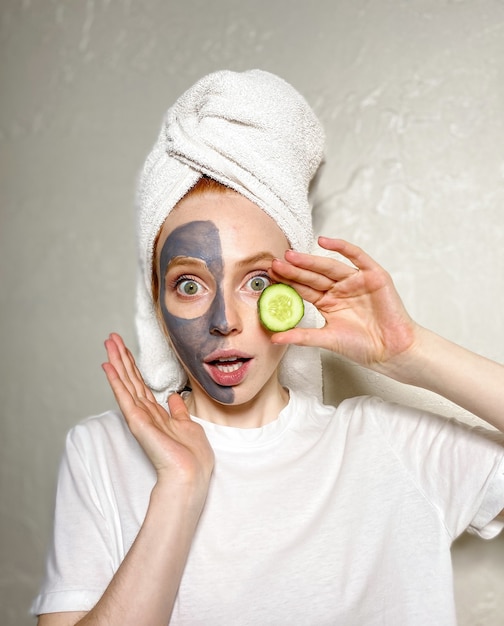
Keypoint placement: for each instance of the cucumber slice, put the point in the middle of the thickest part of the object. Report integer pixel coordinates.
(280, 307)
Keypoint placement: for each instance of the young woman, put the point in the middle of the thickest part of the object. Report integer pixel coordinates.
(243, 500)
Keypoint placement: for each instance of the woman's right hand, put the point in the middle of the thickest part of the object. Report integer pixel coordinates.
(177, 446)
(179, 450)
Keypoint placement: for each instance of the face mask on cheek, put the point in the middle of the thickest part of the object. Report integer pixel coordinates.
(192, 338)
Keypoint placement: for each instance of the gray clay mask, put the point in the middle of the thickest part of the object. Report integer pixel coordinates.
(196, 338)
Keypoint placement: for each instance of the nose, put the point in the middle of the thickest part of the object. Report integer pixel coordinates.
(225, 318)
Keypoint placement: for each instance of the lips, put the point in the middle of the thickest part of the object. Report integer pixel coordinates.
(228, 367)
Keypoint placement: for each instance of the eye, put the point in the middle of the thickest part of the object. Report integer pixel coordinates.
(188, 287)
(259, 283)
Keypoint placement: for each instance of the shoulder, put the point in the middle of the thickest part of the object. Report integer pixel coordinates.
(406, 427)
(389, 420)
(101, 456)
(104, 427)
(103, 439)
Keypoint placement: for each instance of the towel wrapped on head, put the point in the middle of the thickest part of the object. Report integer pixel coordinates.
(254, 133)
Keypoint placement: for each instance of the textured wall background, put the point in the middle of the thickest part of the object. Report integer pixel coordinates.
(411, 94)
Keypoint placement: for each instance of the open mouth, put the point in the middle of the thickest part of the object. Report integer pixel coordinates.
(228, 368)
(229, 365)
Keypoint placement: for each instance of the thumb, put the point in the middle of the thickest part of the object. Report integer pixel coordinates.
(178, 409)
(300, 337)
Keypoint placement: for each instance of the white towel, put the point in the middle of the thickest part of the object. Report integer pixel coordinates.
(256, 134)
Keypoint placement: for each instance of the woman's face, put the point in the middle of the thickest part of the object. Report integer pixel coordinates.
(213, 256)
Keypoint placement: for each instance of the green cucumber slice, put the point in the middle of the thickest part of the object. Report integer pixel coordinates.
(280, 307)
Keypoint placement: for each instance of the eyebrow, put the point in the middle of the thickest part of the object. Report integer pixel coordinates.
(255, 258)
(185, 260)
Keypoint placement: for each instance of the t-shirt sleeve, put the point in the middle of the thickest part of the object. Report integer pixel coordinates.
(458, 468)
(80, 562)
(485, 523)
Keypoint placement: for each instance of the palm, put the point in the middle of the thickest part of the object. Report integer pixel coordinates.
(365, 319)
(176, 446)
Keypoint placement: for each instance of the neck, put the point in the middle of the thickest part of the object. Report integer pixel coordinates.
(254, 412)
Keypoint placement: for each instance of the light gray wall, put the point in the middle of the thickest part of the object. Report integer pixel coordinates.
(411, 95)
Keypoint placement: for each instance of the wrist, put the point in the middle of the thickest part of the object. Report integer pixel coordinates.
(411, 366)
(188, 497)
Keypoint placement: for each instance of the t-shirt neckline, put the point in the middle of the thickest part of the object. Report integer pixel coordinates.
(225, 436)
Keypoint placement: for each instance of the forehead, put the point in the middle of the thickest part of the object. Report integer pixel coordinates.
(242, 225)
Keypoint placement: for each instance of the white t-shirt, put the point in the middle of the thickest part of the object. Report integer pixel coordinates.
(324, 516)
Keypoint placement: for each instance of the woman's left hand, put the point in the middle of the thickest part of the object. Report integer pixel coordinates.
(365, 318)
(366, 322)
